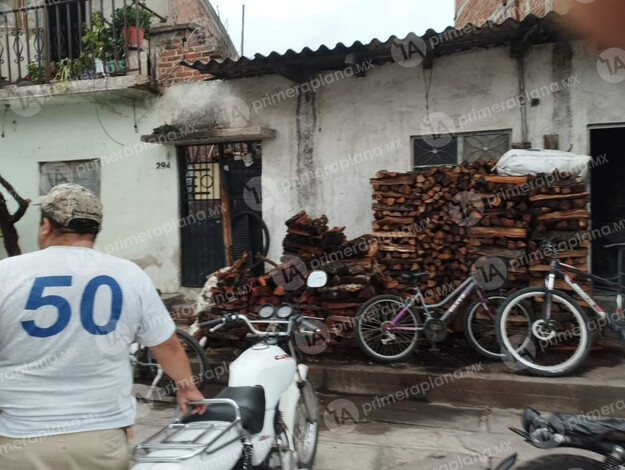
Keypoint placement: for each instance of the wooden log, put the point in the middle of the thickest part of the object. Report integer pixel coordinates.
(480, 232)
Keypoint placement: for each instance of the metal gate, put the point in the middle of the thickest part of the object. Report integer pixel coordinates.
(208, 173)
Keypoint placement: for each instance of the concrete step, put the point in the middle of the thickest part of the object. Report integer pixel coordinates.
(598, 390)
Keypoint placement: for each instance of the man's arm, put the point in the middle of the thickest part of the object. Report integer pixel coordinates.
(173, 358)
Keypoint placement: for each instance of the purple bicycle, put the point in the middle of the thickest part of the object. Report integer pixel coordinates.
(388, 327)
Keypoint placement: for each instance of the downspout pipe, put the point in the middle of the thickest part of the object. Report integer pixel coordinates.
(523, 97)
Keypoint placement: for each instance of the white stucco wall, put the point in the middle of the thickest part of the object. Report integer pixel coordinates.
(356, 127)
(388, 106)
(139, 199)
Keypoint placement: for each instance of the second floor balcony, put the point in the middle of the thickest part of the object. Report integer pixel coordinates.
(64, 40)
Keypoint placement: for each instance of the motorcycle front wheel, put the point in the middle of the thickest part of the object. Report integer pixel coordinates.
(306, 432)
(561, 462)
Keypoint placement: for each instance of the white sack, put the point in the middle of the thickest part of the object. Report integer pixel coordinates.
(518, 162)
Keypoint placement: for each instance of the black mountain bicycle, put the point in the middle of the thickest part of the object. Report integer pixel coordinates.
(560, 337)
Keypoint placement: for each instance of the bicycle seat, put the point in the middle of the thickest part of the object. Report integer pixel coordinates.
(410, 276)
(615, 245)
(251, 401)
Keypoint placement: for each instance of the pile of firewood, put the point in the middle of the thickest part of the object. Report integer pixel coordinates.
(353, 278)
(309, 238)
(503, 226)
(414, 225)
(559, 211)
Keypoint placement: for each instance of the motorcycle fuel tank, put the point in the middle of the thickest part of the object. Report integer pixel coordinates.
(265, 365)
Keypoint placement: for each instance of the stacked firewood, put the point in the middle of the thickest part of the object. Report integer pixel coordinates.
(309, 238)
(309, 244)
(503, 226)
(559, 211)
(417, 227)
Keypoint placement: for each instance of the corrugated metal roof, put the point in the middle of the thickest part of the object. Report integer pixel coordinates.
(296, 65)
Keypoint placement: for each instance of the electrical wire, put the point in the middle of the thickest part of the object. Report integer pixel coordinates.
(97, 112)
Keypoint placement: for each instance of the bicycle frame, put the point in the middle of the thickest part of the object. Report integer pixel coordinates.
(562, 270)
(463, 291)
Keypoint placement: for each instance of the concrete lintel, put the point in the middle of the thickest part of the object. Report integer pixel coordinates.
(132, 86)
(211, 136)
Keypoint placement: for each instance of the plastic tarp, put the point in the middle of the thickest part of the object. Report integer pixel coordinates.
(531, 162)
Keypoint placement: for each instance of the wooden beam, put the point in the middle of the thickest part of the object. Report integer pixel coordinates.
(226, 218)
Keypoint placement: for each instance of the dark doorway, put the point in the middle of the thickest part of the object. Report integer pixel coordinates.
(215, 181)
(66, 22)
(607, 146)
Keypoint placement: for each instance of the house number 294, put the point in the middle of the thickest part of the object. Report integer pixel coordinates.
(162, 165)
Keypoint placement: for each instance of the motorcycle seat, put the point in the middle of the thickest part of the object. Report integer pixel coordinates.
(251, 401)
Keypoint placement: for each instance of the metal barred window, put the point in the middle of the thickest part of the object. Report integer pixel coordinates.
(453, 149)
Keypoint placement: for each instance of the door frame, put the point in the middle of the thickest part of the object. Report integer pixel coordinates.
(590, 128)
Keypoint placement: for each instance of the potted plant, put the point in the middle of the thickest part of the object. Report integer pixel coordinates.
(97, 40)
(125, 24)
(36, 73)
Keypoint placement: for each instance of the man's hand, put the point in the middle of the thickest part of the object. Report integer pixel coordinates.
(187, 394)
(173, 358)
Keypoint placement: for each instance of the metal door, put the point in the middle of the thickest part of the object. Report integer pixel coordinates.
(202, 247)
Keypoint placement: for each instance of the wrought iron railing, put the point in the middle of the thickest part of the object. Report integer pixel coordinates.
(73, 39)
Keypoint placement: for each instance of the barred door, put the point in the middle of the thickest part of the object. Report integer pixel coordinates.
(207, 172)
(201, 232)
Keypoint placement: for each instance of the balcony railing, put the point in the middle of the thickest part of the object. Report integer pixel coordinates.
(61, 40)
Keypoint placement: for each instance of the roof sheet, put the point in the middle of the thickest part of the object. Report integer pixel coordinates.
(531, 30)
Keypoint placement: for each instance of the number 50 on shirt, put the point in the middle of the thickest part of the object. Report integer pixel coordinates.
(36, 300)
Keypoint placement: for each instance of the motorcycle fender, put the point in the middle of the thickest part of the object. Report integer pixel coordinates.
(289, 399)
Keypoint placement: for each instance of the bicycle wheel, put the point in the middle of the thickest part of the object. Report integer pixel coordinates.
(378, 338)
(479, 326)
(562, 462)
(197, 360)
(550, 350)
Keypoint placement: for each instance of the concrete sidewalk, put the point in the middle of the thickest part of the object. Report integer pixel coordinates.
(403, 435)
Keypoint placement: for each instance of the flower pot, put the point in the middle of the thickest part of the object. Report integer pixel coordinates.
(133, 36)
(99, 67)
(116, 67)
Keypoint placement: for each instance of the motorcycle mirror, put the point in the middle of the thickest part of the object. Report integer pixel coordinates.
(317, 279)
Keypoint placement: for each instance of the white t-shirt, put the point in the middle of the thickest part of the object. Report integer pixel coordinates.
(67, 318)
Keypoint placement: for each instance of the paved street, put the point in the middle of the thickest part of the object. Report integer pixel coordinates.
(360, 434)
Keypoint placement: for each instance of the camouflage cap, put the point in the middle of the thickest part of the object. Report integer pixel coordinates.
(68, 201)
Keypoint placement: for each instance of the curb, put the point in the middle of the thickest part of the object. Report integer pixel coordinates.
(496, 390)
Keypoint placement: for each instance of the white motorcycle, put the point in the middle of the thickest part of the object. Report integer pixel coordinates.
(267, 416)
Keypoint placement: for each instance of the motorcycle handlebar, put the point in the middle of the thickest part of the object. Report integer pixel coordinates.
(211, 323)
(298, 321)
(308, 325)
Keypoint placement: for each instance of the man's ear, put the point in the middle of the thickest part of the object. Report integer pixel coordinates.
(46, 226)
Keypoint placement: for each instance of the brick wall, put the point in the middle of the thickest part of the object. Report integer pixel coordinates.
(196, 34)
(479, 12)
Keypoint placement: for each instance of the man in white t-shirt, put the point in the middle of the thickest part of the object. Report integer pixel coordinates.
(68, 315)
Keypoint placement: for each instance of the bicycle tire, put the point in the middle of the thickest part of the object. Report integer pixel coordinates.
(561, 462)
(520, 362)
(200, 377)
(266, 235)
(362, 341)
(471, 338)
(200, 352)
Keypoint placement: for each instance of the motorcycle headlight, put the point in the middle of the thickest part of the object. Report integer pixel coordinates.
(266, 312)
(284, 311)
